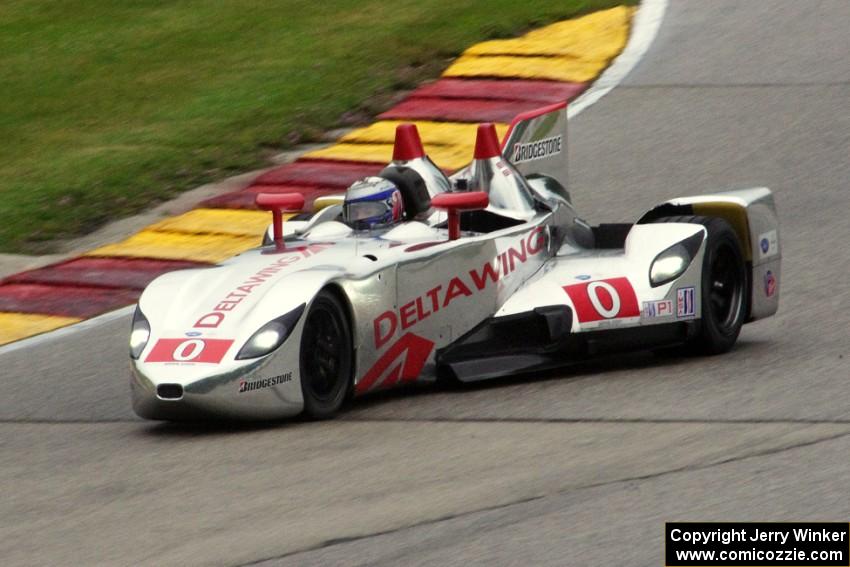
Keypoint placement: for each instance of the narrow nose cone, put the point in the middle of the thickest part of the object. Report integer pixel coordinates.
(487, 142)
(496, 176)
(408, 145)
(409, 152)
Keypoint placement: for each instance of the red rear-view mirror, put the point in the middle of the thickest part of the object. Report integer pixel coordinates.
(278, 203)
(455, 203)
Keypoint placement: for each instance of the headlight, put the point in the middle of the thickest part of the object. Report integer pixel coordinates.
(673, 262)
(139, 334)
(271, 335)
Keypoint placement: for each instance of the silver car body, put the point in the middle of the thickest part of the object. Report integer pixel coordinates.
(413, 295)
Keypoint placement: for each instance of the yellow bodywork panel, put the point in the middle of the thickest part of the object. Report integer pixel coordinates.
(735, 215)
(17, 326)
(320, 203)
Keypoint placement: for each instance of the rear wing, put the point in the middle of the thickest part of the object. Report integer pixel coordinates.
(536, 142)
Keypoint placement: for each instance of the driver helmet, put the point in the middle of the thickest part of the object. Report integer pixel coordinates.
(373, 202)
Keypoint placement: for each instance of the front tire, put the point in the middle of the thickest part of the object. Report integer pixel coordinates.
(326, 359)
(723, 286)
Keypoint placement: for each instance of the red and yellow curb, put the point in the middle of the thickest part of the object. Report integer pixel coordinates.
(17, 326)
(201, 235)
(446, 143)
(492, 81)
(573, 50)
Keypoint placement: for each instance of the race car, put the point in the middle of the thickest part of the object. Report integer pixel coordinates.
(487, 273)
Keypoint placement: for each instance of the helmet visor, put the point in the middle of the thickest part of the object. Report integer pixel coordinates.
(364, 210)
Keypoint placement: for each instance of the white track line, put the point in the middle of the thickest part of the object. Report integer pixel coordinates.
(646, 24)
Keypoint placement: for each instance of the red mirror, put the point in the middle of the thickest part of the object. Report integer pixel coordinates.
(455, 203)
(278, 203)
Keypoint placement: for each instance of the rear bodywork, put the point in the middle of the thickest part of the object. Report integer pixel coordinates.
(752, 213)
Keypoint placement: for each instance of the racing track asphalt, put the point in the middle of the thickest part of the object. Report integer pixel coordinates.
(570, 468)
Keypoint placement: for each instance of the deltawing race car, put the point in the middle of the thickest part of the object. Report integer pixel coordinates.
(490, 273)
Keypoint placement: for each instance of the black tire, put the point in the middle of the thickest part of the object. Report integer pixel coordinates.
(326, 360)
(723, 288)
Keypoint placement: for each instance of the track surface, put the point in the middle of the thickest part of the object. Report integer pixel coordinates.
(581, 467)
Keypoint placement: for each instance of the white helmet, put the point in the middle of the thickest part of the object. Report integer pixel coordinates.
(373, 202)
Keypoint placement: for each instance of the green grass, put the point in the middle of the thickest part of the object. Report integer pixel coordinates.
(109, 107)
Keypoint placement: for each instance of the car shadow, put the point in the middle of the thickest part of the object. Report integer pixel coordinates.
(594, 368)
(358, 410)
(189, 429)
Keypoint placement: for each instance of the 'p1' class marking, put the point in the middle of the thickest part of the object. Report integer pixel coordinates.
(659, 308)
(612, 298)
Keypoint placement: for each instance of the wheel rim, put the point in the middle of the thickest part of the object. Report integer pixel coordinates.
(323, 363)
(725, 287)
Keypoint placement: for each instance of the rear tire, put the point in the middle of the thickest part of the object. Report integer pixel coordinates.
(326, 359)
(723, 286)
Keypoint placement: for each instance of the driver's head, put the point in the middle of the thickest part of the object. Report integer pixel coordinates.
(373, 202)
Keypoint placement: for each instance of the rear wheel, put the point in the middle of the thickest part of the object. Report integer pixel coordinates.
(723, 286)
(326, 357)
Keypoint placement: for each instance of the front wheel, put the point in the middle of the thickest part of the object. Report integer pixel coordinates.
(723, 286)
(326, 357)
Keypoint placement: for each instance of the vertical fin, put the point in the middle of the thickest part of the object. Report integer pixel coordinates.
(536, 142)
(409, 152)
(490, 172)
(408, 144)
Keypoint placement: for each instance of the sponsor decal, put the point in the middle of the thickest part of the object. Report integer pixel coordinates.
(769, 284)
(210, 351)
(246, 386)
(232, 300)
(388, 323)
(536, 150)
(685, 302)
(506, 171)
(599, 300)
(193, 333)
(583, 277)
(402, 362)
(661, 308)
(768, 244)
